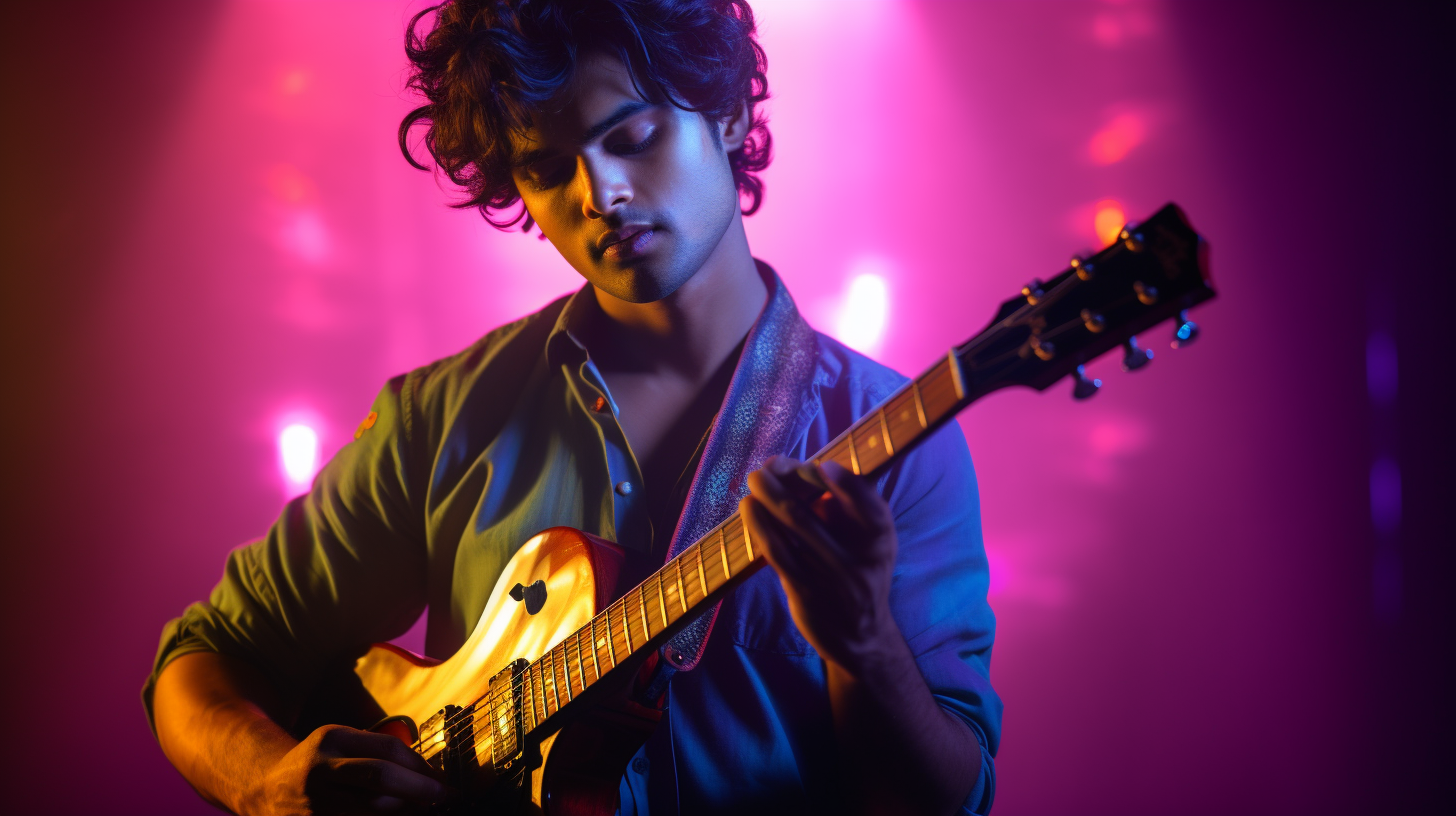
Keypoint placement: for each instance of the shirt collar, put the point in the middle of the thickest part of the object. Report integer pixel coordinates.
(779, 318)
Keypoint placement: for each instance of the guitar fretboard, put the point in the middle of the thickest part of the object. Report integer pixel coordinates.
(645, 615)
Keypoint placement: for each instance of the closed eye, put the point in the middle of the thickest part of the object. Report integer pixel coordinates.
(633, 148)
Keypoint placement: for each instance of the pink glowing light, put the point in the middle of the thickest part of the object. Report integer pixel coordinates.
(1117, 138)
(1108, 219)
(864, 313)
(298, 454)
(304, 236)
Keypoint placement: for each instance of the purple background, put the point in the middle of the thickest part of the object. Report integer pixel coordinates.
(1223, 585)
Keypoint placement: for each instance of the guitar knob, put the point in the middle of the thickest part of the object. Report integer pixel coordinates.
(1135, 356)
(1186, 331)
(1083, 386)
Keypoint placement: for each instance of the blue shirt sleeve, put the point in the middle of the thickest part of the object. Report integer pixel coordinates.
(938, 595)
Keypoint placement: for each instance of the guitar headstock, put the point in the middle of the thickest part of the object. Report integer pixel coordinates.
(1155, 271)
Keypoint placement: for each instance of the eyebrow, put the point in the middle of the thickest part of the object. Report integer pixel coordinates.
(623, 111)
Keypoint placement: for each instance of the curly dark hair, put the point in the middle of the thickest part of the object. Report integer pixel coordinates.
(484, 65)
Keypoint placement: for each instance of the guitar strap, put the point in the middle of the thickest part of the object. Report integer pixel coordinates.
(769, 390)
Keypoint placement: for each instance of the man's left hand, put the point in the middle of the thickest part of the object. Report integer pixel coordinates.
(831, 538)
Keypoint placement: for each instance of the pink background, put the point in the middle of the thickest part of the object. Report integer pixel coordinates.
(1213, 594)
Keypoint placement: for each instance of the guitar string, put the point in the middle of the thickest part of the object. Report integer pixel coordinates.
(501, 702)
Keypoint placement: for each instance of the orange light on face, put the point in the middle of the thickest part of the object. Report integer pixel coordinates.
(1108, 221)
(1116, 139)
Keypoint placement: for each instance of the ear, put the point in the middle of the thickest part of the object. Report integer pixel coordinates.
(734, 129)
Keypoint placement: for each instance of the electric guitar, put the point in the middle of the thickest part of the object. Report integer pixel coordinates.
(532, 714)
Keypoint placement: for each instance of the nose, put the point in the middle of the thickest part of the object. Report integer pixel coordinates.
(605, 187)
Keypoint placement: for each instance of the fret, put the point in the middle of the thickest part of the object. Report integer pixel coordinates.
(885, 430)
(596, 664)
(642, 604)
(627, 628)
(853, 454)
(661, 600)
(530, 692)
(956, 375)
(723, 549)
(580, 663)
(555, 693)
(871, 453)
(682, 598)
(747, 540)
(919, 404)
(611, 652)
(565, 668)
(541, 682)
(702, 575)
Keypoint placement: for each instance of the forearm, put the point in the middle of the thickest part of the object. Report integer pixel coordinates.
(212, 718)
(905, 752)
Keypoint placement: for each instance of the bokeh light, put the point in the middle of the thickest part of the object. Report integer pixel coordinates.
(862, 317)
(1108, 219)
(298, 454)
(1117, 138)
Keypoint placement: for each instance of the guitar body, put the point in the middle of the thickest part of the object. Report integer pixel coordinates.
(575, 770)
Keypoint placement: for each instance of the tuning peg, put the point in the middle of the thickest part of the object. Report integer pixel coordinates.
(1186, 331)
(1132, 240)
(1083, 269)
(1032, 291)
(1146, 295)
(1135, 356)
(1083, 386)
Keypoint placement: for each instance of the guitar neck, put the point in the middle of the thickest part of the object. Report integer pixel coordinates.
(647, 615)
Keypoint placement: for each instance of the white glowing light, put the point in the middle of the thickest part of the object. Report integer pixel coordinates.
(298, 447)
(862, 317)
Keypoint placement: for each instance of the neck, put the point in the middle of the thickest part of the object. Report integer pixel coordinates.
(692, 330)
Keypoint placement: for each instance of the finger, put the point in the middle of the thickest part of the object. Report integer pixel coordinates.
(383, 777)
(350, 742)
(797, 519)
(779, 549)
(857, 496)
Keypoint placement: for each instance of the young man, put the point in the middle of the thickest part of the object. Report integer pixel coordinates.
(646, 405)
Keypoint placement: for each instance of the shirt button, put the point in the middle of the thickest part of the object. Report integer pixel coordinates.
(640, 765)
(624, 488)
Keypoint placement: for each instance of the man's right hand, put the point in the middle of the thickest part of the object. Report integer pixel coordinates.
(343, 770)
(213, 720)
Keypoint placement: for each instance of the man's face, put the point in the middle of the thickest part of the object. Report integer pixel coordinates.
(635, 196)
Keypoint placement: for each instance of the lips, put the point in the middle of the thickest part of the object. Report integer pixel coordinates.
(620, 236)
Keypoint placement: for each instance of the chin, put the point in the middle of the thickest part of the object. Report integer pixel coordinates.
(641, 283)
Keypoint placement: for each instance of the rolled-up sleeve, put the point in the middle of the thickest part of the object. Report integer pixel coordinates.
(343, 566)
(939, 590)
